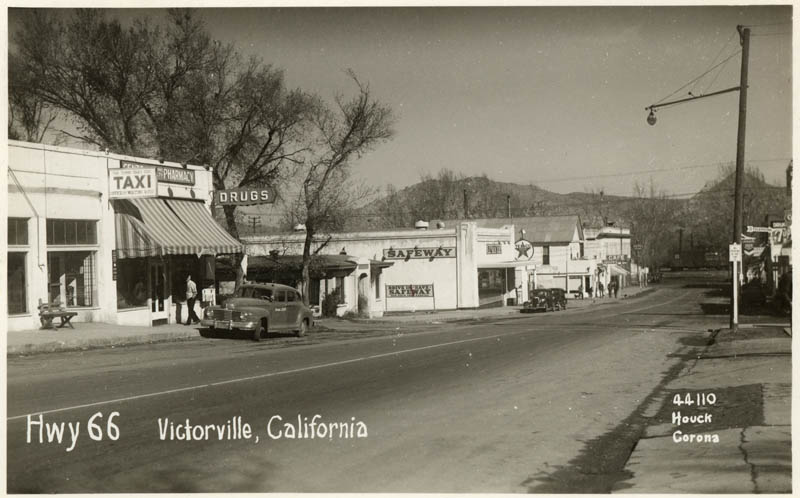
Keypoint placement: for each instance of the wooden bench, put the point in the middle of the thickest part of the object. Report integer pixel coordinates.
(50, 311)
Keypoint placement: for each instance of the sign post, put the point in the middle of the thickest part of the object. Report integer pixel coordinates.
(735, 257)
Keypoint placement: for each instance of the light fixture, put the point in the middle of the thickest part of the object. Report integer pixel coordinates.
(651, 118)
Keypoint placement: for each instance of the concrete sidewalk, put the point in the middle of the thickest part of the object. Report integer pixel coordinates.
(87, 335)
(90, 335)
(748, 425)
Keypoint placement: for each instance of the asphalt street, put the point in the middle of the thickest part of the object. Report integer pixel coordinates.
(487, 407)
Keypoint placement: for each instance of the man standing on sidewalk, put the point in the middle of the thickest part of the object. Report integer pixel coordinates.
(191, 295)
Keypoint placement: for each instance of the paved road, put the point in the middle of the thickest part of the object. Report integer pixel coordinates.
(489, 407)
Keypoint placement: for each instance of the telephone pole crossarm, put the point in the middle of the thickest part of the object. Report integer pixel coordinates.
(694, 97)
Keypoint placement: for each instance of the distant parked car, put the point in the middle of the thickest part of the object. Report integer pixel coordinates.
(540, 299)
(559, 298)
(259, 308)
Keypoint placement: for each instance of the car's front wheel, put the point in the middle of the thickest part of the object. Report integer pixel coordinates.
(259, 332)
(303, 328)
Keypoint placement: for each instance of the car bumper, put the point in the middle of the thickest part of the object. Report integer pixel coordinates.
(228, 325)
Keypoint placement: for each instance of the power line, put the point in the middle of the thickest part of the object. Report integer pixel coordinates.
(705, 73)
(641, 172)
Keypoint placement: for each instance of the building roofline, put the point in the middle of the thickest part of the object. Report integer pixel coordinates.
(101, 154)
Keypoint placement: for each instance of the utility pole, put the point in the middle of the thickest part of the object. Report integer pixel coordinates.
(508, 204)
(254, 222)
(744, 39)
(744, 34)
(466, 205)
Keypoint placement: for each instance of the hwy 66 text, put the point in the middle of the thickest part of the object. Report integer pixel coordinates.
(98, 427)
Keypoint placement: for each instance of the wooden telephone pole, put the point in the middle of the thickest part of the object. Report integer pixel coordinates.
(744, 34)
(744, 38)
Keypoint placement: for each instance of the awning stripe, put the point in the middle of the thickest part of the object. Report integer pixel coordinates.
(149, 227)
(196, 215)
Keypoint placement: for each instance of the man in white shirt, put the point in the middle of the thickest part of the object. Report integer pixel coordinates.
(191, 295)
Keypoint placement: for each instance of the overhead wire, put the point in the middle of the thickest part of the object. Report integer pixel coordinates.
(733, 33)
(705, 73)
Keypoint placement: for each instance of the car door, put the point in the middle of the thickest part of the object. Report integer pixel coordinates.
(278, 320)
(293, 306)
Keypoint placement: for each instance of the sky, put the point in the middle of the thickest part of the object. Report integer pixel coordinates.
(553, 96)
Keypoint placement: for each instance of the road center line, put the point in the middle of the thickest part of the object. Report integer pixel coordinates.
(262, 376)
(656, 305)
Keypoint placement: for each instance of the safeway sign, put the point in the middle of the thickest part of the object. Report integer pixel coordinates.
(127, 183)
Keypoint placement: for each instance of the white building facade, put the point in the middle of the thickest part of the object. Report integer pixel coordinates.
(463, 266)
(105, 244)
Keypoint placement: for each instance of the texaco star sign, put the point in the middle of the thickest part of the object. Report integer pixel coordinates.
(524, 249)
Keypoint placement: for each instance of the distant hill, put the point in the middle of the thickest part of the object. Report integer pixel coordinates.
(433, 199)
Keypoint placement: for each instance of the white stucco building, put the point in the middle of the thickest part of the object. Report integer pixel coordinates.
(452, 267)
(108, 236)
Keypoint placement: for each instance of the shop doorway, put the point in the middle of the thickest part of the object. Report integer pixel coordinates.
(159, 297)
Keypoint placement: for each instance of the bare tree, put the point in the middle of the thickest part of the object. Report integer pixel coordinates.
(653, 217)
(338, 136)
(172, 92)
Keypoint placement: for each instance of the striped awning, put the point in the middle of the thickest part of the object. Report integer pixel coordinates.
(160, 227)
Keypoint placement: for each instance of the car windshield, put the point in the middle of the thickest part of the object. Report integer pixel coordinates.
(255, 292)
(540, 293)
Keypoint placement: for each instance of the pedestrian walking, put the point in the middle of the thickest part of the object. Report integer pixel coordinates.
(191, 296)
(580, 291)
(589, 290)
(615, 284)
(601, 289)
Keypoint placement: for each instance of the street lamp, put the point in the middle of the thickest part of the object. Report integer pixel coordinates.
(744, 37)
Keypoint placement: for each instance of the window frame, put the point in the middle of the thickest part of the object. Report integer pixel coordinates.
(25, 309)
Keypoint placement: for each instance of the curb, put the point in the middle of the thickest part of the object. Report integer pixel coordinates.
(99, 343)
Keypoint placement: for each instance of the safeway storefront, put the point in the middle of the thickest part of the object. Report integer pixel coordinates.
(110, 237)
(463, 266)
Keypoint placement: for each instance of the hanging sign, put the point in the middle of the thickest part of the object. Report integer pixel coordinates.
(244, 196)
(165, 174)
(113, 264)
(524, 250)
(127, 183)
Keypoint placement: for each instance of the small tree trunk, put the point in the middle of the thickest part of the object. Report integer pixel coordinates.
(307, 264)
(230, 220)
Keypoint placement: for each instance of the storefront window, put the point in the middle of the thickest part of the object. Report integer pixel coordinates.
(131, 283)
(71, 278)
(17, 231)
(546, 255)
(340, 290)
(17, 302)
(71, 232)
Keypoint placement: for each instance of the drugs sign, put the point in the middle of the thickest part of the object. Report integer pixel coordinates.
(127, 183)
(244, 196)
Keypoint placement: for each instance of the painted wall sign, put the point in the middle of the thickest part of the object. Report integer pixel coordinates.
(420, 253)
(423, 290)
(494, 249)
(165, 174)
(126, 183)
(244, 196)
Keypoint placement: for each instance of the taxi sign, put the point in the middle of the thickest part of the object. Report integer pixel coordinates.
(127, 183)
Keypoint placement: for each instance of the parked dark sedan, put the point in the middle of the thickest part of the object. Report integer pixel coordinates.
(559, 298)
(258, 308)
(539, 299)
